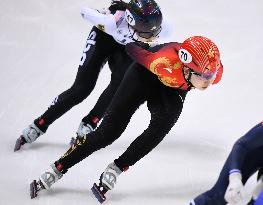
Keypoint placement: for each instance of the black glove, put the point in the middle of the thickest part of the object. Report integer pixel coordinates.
(117, 5)
(260, 173)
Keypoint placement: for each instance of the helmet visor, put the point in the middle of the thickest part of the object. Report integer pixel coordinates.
(148, 35)
(204, 77)
(143, 34)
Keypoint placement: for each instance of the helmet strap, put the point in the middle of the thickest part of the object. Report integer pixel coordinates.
(132, 33)
(188, 79)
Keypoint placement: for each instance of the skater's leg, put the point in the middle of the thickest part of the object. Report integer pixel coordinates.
(127, 99)
(165, 105)
(46, 180)
(94, 57)
(119, 62)
(215, 196)
(99, 46)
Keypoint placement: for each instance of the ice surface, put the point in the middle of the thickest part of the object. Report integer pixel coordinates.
(41, 42)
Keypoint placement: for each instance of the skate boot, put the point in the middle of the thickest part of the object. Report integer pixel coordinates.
(84, 128)
(46, 180)
(29, 135)
(108, 179)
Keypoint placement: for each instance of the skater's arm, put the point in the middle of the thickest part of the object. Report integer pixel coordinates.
(103, 20)
(140, 55)
(245, 145)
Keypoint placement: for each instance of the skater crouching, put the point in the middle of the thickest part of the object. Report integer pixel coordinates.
(139, 20)
(162, 77)
(243, 161)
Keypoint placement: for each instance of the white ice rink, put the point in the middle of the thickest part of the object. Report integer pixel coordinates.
(41, 43)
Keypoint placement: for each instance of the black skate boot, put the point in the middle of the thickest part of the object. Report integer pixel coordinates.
(108, 179)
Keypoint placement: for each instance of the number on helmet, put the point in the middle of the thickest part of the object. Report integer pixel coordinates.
(129, 18)
(185, 56)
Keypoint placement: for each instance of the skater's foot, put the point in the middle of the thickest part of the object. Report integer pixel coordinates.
(29, 135)
(108, 180)
(46, 180)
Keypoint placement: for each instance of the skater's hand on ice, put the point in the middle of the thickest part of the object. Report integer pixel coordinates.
(235, 190)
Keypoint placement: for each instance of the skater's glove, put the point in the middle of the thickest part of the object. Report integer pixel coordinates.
(258, 188)
(117, 6)
(84, 11)
(104, 11)
(235, 190)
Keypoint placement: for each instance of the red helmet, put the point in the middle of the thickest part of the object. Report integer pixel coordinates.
(201, 55)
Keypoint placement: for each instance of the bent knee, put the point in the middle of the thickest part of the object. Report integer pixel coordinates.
(164, 120)
(79, 94)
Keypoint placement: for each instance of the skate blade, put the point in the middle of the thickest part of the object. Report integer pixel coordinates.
(98, 193)
(33, 189)
(19, 143)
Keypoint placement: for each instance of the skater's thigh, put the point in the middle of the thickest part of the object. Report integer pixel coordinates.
(99, 47)
(165, 102)
(119, 62)
(131, 91)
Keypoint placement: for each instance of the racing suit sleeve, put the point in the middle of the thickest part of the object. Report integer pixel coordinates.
(251, 141)
(105, 22)
(140, 55)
